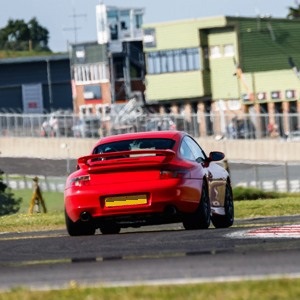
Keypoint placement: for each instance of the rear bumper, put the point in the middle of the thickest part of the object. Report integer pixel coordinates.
(162, 200)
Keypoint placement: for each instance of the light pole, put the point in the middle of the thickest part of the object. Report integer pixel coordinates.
(66, 146)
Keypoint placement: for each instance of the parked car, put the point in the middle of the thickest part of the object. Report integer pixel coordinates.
(137, 179)
(87, 127)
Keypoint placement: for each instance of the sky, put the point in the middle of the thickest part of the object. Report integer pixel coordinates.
(57, 15)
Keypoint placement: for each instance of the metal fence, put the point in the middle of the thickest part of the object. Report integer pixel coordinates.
(20, 182)
(221, 124)
(281, 177)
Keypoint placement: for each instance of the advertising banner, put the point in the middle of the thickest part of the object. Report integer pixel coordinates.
(32, 97)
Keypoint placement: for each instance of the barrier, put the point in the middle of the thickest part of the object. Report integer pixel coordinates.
(267, 150)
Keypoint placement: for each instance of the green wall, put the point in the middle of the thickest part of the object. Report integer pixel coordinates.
(269, 81)
(181, 34)
(266, 44)
(262, 47)
(174, 86)
(224, 84)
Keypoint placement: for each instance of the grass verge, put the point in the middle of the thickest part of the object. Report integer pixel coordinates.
(281, 289)
(278, 205)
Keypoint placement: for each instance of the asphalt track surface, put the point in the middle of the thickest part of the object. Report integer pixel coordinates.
(36, 166)
(58, 167)
(149, 255)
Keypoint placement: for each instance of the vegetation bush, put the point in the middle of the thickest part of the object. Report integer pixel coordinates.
(248, 193)
(8, 203)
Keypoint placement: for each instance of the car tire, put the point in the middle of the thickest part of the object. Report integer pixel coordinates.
(110, 229)
(225, 221)
(200, 219)
(78, 228)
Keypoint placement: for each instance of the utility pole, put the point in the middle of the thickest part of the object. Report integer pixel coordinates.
(75, 28)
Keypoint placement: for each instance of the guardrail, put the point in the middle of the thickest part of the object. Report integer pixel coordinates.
(19, 182)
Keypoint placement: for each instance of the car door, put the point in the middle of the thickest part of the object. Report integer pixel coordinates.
(215, 174)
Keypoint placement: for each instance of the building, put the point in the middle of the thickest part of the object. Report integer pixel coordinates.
(36, 84)
(111, 70)
(216, 69)
(225, 65)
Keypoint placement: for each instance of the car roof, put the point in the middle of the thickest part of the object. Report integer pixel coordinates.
(165, 134)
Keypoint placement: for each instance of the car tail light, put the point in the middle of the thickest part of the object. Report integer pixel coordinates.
(167, 174)
(80, 180)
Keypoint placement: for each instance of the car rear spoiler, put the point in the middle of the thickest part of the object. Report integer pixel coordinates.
(125, 159)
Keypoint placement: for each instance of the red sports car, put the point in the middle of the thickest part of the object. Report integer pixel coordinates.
(147, 178)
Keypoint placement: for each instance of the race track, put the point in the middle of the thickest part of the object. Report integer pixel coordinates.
(151, 255)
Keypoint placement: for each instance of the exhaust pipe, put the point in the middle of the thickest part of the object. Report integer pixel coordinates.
(85, 217)
(171, 211)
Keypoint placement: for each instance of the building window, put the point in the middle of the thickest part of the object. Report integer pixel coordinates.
(150, 63)
(183, 60)
(170, 61)
(176, 61)
(261, 96)
(90, 73)
(290, 94)
(92, 92)
(157, 64)
(180, 60)
(275, 95)
(193, 59)
(138, 21)
(228, 50)
(215, 51)
(125, 19)
(113, 20)
(164, 63)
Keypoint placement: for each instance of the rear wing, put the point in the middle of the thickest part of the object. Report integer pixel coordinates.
(125, 159)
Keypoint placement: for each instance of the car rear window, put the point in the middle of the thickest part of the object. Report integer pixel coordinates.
(135, 144)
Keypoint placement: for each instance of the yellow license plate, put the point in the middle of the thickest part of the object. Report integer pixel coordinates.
(125, 200)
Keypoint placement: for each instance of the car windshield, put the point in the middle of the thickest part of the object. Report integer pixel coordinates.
(135, 144)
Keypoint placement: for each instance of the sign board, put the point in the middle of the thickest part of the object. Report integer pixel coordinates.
(32, 98)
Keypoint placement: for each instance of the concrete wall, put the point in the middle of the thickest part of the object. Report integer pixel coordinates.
(60, 148)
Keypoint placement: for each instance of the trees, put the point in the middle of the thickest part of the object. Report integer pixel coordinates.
(8, 204)
(21, 36)
(294, 13)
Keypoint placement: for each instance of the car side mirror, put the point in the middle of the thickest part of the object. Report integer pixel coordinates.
(216, 156)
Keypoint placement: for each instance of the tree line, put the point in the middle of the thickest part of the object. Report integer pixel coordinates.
(18, 35)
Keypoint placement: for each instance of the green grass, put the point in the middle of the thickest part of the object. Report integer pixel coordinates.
(279, 205)
(269, 207)
(14, 54)
(23, 221)
(281, 289)
(246, 193)
(54, 200)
